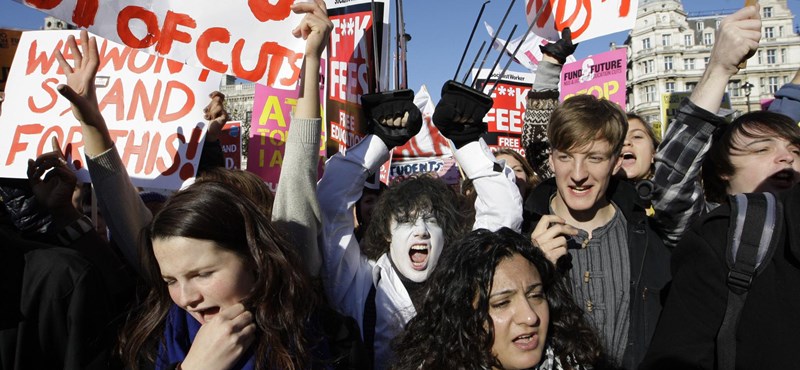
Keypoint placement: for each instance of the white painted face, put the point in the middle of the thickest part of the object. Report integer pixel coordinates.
(416, 245)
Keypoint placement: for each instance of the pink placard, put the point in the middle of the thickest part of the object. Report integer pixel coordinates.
(602, 75)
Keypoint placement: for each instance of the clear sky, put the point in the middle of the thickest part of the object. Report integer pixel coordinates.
(439, 30)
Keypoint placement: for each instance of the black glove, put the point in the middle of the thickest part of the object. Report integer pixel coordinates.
(390, 105)
(562, 48)
(459, 115)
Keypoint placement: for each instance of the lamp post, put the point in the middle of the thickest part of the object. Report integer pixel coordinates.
(747, 87)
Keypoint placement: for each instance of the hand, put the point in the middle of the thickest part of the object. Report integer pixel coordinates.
(216, 114)
(80, 91)
(54, 192)
(737, 40)
(560, 49)
(392, 116)
(549, 236)
(222, 341)
(315, 26)
(459, 114)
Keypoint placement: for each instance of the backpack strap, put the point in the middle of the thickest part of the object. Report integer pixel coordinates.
(754, 220)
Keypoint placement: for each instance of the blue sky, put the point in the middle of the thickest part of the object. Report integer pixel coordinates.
(439, 29)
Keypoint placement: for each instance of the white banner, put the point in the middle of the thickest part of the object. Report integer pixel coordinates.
(153, 108)
(586, 19)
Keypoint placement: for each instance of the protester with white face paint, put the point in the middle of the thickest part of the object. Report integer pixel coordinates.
(379, 285)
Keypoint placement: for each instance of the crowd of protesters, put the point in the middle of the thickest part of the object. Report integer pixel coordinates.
(602, 248)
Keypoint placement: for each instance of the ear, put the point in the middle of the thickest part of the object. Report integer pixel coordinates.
(617, 165)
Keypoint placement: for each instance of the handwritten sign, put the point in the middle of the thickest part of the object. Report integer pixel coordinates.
(429, 142)
(153, 108)
(352, 66)
(528, 55)
(505, 117)
(602, 75)
(445, 168)
(587, 19)
(249, 39)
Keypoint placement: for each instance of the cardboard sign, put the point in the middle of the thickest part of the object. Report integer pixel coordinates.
(249, 39)
(602, 75)
(352, 66)
(231, 141)
(9, 39)
(505, 117)
(586, 19)
(444, 167)
(153, 108)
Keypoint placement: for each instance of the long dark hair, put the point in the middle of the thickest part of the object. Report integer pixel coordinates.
(453, 328)
(282, 299)
(405, 199)
(753, 125)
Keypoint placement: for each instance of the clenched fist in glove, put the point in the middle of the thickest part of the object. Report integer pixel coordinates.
(459, 115)
(392, 116)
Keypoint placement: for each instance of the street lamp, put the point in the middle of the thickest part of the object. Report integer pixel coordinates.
(747, 87)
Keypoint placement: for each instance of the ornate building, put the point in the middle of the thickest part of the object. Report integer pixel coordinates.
(668, 50)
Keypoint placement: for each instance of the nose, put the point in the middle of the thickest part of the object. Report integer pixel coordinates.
(421, 228)
(785, 155)
(525, 314)
(579, 171)
(185, 295)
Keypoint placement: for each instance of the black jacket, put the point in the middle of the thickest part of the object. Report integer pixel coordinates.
(769, 328)
(648, 256)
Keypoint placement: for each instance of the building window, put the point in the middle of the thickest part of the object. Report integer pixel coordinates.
(767, 12)
(773, 84)
(783, 55)
(707, 39)
(688, 40)
(669, 87)
(648, 66)
(734, 88)
(650, 93)
(646, 43)
(705, 61)
(760, 57)
(769, 32)
(688, 64)
(700, 26)
(690, 86)
(666, 40)
(771, 56)
(668, 63)
(780, 31)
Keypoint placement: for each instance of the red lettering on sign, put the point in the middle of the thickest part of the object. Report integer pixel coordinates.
(214, 34)
(17, 145)
(123, 27)
(51, 91)
(264, 11)
(170, 32)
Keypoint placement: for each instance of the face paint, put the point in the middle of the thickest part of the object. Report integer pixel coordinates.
(416, 245)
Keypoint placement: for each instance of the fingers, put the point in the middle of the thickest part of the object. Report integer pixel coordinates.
(70, 94)
(229, 313)
(73, 48)
(66, 67)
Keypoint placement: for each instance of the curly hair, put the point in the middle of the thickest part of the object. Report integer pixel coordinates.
(282, 299)
(453, 328)
(403, 200)
(755, 125)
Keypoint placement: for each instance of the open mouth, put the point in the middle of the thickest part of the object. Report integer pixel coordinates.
(784, 178)
(207, 314)
(419, 256)
(628, 159)
(527, 342)
(580, 189)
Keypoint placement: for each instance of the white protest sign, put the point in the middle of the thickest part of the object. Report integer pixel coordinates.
(153, 108)
(249, 39)
(586, 19)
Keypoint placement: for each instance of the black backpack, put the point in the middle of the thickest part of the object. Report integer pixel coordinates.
(756, 224)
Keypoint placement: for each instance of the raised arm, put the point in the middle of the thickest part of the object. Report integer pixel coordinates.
(680, 156)
(787, 99)
(124, 211)
(296, 209)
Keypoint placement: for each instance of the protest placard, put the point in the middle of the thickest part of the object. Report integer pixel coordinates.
(603, 75)
(9, 39)
(445, 168)
(528, 54)
(231, 141)
(505, 117)
(249, 39)
(586, 19)
(671, 101)
(352, 65)
(153, 108)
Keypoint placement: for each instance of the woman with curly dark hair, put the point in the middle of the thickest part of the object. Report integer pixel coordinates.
(495, 302)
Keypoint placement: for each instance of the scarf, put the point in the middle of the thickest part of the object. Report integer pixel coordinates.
(179, 335)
